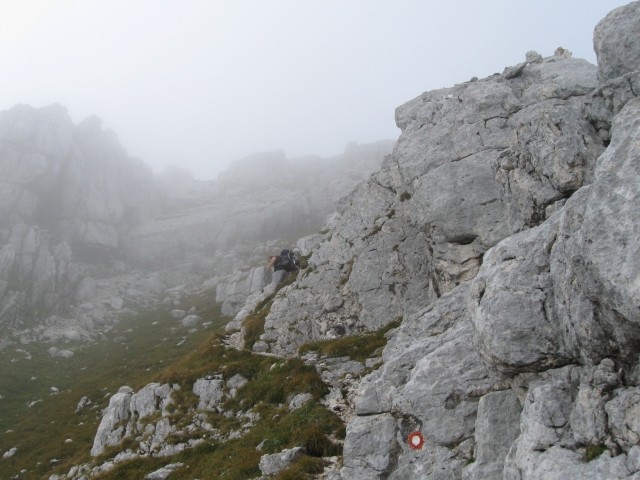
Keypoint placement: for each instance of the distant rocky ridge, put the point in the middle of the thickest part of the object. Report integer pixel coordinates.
(86, 231)
(504, 230)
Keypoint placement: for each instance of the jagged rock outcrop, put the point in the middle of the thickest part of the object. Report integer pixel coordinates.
(68, 195)
(145, 416)
(504, 230)
(420, 226)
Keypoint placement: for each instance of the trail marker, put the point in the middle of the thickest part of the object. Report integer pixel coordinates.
(415, 440)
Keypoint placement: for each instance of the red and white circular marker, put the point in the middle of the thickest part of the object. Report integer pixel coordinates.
(415, 440)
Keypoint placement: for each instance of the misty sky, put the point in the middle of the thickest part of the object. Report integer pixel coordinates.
(199, 83)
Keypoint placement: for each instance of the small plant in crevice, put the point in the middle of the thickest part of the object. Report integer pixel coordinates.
(349, 269)
(593, 451)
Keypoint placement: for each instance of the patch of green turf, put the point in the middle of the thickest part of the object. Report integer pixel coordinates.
(134, 353)
(357, 347)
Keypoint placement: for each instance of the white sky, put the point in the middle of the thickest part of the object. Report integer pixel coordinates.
(199, 83)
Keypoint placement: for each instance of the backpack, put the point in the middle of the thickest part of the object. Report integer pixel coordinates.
(287, 261)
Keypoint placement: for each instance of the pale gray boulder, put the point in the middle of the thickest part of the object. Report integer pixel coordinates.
(191, 321)
(299, 401)
(369, 447)
(511, 305)
(149, 400)
(210, 391)
(235, 383)
(112, 426)
(274, 463)
(616, 41)
(125, 417)
(623, 414)
(164, 472)
(10, 453)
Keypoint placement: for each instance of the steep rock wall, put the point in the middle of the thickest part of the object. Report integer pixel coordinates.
(475, 163)
(504, 229)
(68, 195)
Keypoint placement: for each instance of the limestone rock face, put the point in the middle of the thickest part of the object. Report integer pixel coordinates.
(111, 428)
(616, 41)
(475, 163)
(272, 464)
(68, 194)
(504, 230)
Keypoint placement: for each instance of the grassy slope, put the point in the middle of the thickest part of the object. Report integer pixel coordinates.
(142, 348)
(156, 350)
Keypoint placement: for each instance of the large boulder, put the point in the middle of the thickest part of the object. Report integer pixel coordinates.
(616, 41)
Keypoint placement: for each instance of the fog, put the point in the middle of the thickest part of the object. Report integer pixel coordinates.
(201, 83)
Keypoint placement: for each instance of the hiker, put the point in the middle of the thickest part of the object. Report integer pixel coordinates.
(281, 265)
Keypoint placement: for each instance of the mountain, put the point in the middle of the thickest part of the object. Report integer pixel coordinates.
(503, 230)
(69, 194)
(87, 233)
(470, 312)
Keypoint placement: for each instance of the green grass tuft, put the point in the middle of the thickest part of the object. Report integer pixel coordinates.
(593, 451)
(357, 347)
(303, 468)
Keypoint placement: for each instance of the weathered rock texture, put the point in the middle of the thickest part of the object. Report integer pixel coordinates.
(505, 230)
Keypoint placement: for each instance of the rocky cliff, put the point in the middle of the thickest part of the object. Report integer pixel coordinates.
(503, 230)
(69, 195)
(86, 231)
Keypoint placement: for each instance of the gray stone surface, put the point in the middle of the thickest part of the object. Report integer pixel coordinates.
(114, 418)
(164, 472)
(299, 401)
(497, 427)
(274, 463)
(420, 226)
(210, 392)
(616, 41)
(369, 447)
